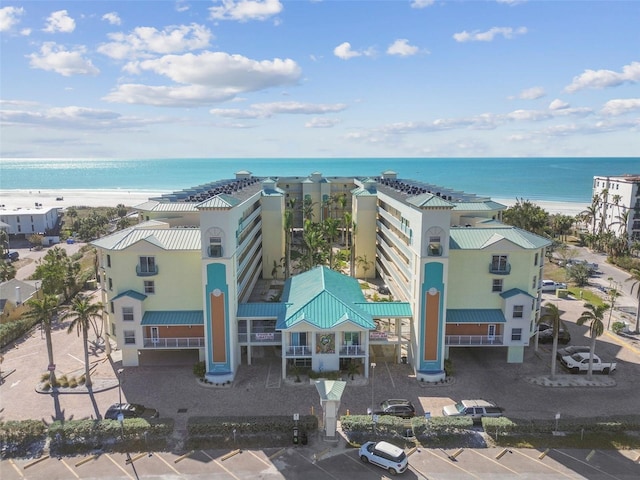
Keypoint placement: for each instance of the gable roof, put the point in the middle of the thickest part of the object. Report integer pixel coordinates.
(471, 238)
(167, 239)
(323, 298)
(429, 200)
(513, 292)
(132, 294)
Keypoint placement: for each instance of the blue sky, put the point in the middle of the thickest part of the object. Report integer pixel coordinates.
(311, 78)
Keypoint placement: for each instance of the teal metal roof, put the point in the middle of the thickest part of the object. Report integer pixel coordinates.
(156, 206)
(219, 201)
(167, 238)
(472, 315)
(131, 293)
(261, 310)
(472, 238)
(429, 200)
(387, 309)
(323, 298)
(513, 292)
(330, 389)
(489, 205)
(177, 317)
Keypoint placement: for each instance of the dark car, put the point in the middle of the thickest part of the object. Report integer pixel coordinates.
(130, 410)
(570, 350)
(546, 336)
(397, 407)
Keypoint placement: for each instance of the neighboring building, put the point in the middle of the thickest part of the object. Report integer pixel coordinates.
(619, 204)
(197, 274)
(23, 222)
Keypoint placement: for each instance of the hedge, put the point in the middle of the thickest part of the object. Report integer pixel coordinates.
(14, 330)
(17, 438)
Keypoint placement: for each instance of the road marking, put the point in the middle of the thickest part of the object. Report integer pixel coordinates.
(448, 462)
(16, 468)
(546, 465)
(587, 464)
(15, 383)
(219, 464)
(393, 384)
(318, 466)
(166, 463)
(260, 458)
(69, 468)
(495, 461)
(119, 466)
(622, 342)
(76, 358)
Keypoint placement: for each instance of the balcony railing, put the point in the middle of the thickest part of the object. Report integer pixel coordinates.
(298, 351)
(351, 350)
(181, 342)
(146, 271)
(500, 269)
(465, 340)
(435, 250)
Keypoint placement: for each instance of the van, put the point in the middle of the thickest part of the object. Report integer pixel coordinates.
(474, 409)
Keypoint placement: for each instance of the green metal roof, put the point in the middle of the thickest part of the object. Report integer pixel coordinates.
(219, 201)
(131, 293)
(513, 292)
(156, 206)
(177, 317)
(167, 239)
(429, 200)
(471, 315)
(387, 309)
(330, 389)
(261, 310)
(488, 205)
(323, 298)
(472, 238)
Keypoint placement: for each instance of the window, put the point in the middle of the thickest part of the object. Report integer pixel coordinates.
(149, 286)
(113, 329)
(129, 337)
(299, 338)
(435, 249)
(534, 284)
(352, 338)
(215, 247)
(518, 311)
(516, 334)
(109, 261)
(110, 283)
(497, 285)
(499, 263)
(147, 264)
(535, 259)
(112, 308)
(127, 314)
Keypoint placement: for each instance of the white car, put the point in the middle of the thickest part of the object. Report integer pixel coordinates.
(474, 409)
(551, 286)
(385, 455)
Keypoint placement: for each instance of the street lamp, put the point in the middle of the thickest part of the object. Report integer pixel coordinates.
(120, 372)
(373, 374)
(121, 415)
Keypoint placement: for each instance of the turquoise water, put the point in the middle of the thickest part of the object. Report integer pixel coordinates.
(553, 179)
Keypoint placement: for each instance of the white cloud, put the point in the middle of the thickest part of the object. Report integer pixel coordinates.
(422, 3)
(55, 58)
(344, 51)
(113, 18)
(620, 106)
(245, 10)
(168, 96)
(532, 93)
(511, 2)
(266, 110)
(182, 6)
(9, 16)
(60, 21)
(401, 47)
(489, 35)
(144, 41)
(558, 104)
(605, 78)
(322, 122)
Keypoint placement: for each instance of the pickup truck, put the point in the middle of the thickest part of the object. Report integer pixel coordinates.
(579, 362)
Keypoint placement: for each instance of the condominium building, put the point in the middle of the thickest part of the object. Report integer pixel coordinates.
(618, 204)
(203, 273)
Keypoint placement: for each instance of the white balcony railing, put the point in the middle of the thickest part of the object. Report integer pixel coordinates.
(351, 350)
(180, 342)
(298, 351)
(463, 340)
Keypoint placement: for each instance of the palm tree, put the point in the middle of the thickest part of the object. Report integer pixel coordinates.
(330, 227)
(288, 232)
(635, 277)
(552, 316)
(43, 311)
(594, 316)
(82, 313)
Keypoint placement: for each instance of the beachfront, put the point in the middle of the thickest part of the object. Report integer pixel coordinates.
(12, 199)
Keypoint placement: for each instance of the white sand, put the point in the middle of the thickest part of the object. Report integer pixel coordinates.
(24, 199)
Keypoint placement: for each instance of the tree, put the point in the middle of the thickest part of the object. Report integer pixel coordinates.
(288, 240)
(526, 215)
(635, 278)
(43, 310)
(593, 316)
(330, 227)
(82, 314)
(552, 316)
(365, 264)
(36, 240)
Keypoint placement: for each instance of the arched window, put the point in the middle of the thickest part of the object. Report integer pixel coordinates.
(435, 238)
(216, 240)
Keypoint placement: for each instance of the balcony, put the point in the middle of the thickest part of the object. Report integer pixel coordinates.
(181, 342)
(351, 350)
(435, 250)
(146, 270)
(500, 269)
(473, 340)
(298, 351)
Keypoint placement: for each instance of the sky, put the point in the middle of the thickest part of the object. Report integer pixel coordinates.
(319, 78)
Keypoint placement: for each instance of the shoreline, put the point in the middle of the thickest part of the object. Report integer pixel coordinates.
(27, 199)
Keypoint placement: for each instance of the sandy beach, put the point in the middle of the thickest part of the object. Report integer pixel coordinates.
(24, 199)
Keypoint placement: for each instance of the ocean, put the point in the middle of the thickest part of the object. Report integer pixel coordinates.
(550, 179)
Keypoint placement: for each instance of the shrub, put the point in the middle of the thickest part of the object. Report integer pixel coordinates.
(200, 369)
(618, 327)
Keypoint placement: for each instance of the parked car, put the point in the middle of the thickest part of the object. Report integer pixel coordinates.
(397, 407)
(551, 286)
(579, 363)
(384, 289)
(570, 350)
(474, 409)
(546, 336)
(12, 256)
(385, 455)
(130, 410)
